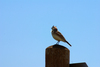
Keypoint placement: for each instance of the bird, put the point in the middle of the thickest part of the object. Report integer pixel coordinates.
(58, 36)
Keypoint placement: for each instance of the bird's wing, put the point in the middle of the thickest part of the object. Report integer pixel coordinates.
(60, 35)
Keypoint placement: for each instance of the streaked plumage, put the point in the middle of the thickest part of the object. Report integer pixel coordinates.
(58, 36)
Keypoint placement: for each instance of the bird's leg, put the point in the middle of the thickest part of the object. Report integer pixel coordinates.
(58, 43)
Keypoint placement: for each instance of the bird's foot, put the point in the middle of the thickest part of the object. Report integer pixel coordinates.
(56, 44)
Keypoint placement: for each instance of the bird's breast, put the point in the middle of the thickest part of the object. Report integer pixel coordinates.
(56, 37)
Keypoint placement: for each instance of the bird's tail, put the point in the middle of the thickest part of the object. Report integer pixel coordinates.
(68, 43)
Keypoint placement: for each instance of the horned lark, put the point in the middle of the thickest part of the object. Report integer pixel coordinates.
(58, 36)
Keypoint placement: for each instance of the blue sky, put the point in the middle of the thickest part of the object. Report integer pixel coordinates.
(25, 31)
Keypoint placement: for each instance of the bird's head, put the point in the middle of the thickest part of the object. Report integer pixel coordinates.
(54, 27)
